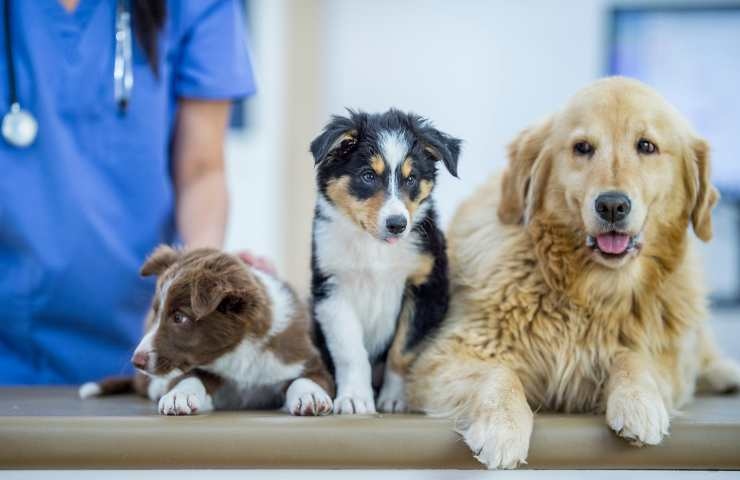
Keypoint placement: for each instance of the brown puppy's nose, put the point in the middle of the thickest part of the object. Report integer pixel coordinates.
(140, 359)
(613, 206)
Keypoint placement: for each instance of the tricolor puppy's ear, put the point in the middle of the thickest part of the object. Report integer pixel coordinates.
(338, 139)
(706, 195)
(439, 146)
(515, 181)
(159, 260)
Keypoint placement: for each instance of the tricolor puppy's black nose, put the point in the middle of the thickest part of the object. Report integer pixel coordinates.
(395, 224)
(613, 206)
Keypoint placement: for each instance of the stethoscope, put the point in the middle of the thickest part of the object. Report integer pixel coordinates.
(19, 126)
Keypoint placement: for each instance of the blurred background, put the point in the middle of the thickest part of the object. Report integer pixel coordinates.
(482, 71)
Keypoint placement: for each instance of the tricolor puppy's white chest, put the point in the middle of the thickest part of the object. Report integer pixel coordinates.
(367, 274)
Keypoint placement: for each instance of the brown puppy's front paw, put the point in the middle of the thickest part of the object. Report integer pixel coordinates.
(501, 440)
(305, 397)
(179, 403)
(638, 415)
(187, 398)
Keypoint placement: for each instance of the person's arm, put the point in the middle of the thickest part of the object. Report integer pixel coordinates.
(202, 199)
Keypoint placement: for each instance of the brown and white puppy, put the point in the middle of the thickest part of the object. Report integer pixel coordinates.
(223, 335)
(584, 293)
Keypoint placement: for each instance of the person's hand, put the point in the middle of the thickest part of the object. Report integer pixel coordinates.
(260, 263)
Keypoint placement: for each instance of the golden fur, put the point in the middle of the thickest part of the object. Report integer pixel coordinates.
(539, 321)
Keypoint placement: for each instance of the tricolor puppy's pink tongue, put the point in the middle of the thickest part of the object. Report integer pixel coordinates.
(614, 243)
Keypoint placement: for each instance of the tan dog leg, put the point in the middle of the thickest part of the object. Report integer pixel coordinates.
(485, 398)
(392, 396)
(635, 408)
(717, 373)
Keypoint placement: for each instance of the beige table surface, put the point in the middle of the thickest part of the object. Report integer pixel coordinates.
(52, 428)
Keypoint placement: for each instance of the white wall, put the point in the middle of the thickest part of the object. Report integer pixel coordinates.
(481, 70)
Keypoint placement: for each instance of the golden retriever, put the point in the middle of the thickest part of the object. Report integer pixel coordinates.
(575, 286)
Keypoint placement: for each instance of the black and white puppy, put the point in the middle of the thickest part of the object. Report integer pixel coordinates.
(380, 283)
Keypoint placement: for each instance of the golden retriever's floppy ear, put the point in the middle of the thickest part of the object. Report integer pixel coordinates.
(159, 260)
(535, 193)
(523, 152)
(706, 194)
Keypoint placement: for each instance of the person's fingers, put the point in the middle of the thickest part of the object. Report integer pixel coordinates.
(265, 265)
(247, 257)
(260, 263)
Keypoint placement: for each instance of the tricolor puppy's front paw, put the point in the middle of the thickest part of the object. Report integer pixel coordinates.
(352, 403)
(638, 415)
(388, 404)
(187, 398)
(305, 397)
(501, 440)
(392, 398)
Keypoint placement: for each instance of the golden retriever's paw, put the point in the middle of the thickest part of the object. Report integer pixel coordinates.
(721, 376)
(499, 442)
(638, 415)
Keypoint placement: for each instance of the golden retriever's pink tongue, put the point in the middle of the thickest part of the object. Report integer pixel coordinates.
(614, 243)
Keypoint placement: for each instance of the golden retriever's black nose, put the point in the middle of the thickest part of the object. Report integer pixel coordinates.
(613, 206)
(396, 224)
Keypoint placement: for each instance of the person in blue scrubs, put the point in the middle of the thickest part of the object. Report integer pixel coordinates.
(99, 188)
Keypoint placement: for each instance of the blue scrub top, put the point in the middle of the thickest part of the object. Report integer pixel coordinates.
(83, 206)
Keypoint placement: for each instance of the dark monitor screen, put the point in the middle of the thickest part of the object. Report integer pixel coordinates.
(692, 56)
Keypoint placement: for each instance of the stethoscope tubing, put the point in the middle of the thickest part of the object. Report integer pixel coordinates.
(10, 59)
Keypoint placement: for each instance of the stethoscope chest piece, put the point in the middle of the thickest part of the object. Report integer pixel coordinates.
(19, 127)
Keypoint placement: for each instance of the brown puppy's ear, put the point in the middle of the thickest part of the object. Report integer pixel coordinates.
(706, 194)
(523, 152)
(209, 293)
(206, 293)
(159, 260)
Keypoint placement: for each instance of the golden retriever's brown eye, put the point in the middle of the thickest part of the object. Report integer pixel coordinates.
(583, 148)
(646, 146)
